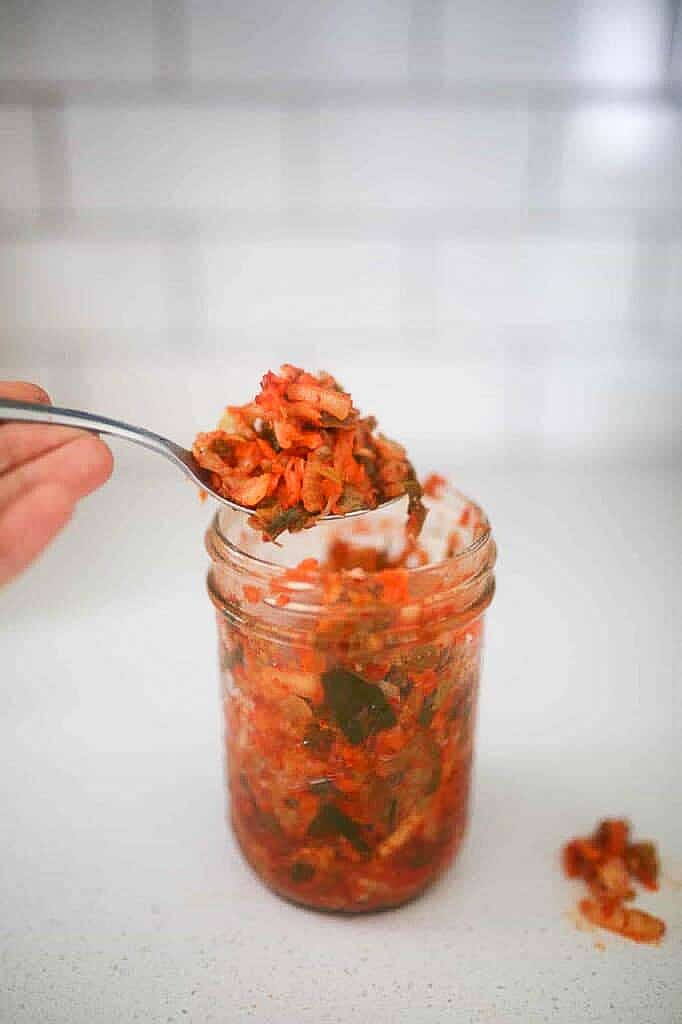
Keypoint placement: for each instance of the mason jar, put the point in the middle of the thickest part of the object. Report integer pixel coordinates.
(350, 698)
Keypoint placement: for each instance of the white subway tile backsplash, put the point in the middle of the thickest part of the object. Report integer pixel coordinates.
(76, 39)
(337, 40)
(676, 55)
(174, 157)
(66, 385)
(423, 158)
(671, 311)
(535, 280)
(428, 293)
(301, 285)
(621, 156)
(19, 190)
(523, 401)
(174, 398)
(58, 286)
(622, 42)
(456, 411)
(418, 291)
(612, 42)
(79, 347)
(617, 407)
(509, 40)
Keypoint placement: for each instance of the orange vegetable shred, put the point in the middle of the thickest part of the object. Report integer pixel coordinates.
(434, 485)
(301, 450)
(609, 863)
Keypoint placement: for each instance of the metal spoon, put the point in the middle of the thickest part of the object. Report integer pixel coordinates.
(182, 458)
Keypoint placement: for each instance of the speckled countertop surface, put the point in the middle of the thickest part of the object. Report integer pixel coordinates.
(122, 896)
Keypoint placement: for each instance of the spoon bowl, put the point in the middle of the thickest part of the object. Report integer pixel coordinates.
(182, 458)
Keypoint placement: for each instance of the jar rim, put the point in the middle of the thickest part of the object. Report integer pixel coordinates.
(482, 538)
(454, 589)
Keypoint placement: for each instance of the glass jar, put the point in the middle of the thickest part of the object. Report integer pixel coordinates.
(350, 699)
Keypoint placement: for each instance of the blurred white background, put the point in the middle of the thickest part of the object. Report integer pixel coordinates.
(472, 210)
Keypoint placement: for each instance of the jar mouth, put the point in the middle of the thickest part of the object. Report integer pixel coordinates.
(481, 537)
(282, 601)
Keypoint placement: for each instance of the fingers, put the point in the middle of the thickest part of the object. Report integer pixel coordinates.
(79, 466)
(29, 524)
(23, 391)
(44, 470)
(21, 442)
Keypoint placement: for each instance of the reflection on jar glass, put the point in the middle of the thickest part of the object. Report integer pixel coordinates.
(350, 699)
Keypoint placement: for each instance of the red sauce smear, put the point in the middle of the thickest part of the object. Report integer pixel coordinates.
(609, 862)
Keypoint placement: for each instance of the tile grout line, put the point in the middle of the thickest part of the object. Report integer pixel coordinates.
(171, 44)
(520, 409)
(649, 279)
(418, 293)
(314, 223)
(312, 93)
(673, 40)
(526, 345)
(425, 54)
(300, 154)
(418, 286)
(178, 247)
(54, 177)
(542, 178)
(180, 268)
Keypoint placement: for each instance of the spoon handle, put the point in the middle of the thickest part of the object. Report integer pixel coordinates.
(30, 412)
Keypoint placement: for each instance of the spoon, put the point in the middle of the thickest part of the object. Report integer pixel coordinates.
(182, 458)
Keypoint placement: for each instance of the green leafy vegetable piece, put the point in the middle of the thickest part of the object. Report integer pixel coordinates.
(424, 657)
(399, 677)
(275, 520)
(351, 500)
(359, 708)
(301, 871)
(268, 434)
(221, 447)
(318, 739)
(421, 854)
(436, 699)
(265, 820)
(392, 815)
(428, 709)
(330, 822)
(327, 420)
(416, 510)
(461, 706)
(232, 656)
(436, 772)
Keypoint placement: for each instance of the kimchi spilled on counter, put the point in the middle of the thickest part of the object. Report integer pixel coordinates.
(609, 863)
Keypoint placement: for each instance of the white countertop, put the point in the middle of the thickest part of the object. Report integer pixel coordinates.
(122, 895)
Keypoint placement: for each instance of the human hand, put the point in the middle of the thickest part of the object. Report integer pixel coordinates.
(44, 470)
